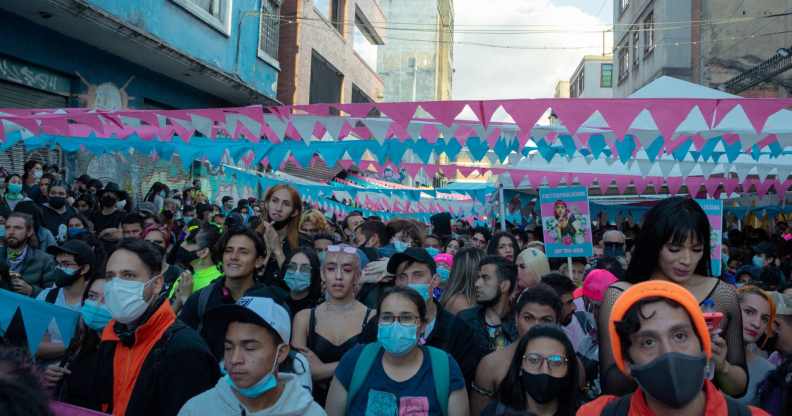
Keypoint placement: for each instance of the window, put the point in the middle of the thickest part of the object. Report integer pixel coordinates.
(635, 41)
(624, 61)
(332, 11)
(269, 30)
(364, 41)
(326, 81)
(623, 4)
(215, 13)
(606, 75)
(581, 82)
(649, 34)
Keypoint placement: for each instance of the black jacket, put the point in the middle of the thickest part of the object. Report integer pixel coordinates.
(474, 318)
(449, 334)
(178, 368)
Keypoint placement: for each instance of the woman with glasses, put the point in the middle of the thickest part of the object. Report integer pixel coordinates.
(542, 376)
(324, 333)
(301, 275)
(396, 375)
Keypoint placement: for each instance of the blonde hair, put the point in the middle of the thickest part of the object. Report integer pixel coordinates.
(314, 216)
(535, 261)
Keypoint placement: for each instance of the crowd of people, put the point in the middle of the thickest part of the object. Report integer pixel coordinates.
(267, 307)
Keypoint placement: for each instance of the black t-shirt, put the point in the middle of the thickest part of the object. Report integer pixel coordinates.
(53, 221)
(102, 222)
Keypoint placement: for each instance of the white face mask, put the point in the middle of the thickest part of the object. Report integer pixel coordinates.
(121, 204)
(124, 299)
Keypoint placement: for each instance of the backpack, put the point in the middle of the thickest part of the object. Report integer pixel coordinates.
(440, 373)
(621, 407)
(203, 299)
(52, 295)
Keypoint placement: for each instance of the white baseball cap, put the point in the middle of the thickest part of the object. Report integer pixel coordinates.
(255, 310)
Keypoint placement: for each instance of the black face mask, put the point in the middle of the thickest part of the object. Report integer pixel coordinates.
(673, 378)
(543, 388)
(57, 202)
(182, 256)
(613, 250)
(62, 279)
(108, 201)
(280, 224)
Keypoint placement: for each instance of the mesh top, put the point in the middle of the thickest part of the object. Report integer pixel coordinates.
(725, 298)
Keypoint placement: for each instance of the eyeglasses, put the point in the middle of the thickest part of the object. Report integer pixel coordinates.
(342, 248)
(534, 361)
(404, 319)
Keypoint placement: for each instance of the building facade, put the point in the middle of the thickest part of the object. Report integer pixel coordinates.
(328, 51)
(593, 78)
(416, 63)
(561, 89)
(703, 41)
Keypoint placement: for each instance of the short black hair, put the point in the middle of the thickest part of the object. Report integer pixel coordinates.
(227, 198)
(370, 228)
(133, 218)
(149, 254)
(505, 269)
(611, 264)
(540, 294)
(411, 294)
(345, 222)
(258, 243)
(631, 321)
(561, 283)
(324, 236)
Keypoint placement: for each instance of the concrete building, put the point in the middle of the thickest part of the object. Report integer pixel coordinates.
(593, 78)
(561, 89)
(702, 41)
(417, 65)
(328, 51)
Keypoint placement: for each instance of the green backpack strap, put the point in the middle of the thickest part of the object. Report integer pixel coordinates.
(362, 367)
(441, 375)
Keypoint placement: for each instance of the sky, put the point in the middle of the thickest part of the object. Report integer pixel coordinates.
(486, 72)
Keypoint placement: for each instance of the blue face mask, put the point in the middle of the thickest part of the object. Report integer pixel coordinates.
(397, 339)
(432, 251)
(75, 232)
(267, 383)
(187, 219)
(95, 315)
(14, 188)
(2, 231)
(422, 289)
(297, 281)
(758, 261)
(443, 273)
(322, 255)
(400, 246)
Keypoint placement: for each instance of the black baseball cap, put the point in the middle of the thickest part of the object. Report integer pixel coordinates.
(82, 252)
(415, 254)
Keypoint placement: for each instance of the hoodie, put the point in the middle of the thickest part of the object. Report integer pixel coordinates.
(295, 400)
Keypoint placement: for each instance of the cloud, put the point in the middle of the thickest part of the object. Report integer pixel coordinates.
(494, 73)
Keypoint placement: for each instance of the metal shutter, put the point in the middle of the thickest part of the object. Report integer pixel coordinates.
(18, 96)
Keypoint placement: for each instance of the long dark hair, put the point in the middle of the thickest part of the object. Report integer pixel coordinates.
(492, 248)
(510, 391)
(315, 290)
(671, 220)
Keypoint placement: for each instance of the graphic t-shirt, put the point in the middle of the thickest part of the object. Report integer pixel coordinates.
(379, 395)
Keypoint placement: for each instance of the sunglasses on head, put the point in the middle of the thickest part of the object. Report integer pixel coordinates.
(342, 248)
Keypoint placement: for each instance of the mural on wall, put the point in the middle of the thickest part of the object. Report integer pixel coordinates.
(105, 96)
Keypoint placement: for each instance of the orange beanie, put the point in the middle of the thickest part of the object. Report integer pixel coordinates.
(656, 289)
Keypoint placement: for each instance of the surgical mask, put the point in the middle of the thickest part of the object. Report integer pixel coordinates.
(120, 204)
(187, 219)
(2, 231)
(758, 261)
(124, 299)
(422, 289)
(38, 174)
(95, 315)
(267, 383)
(396, 338)
(432, 251)
(14, 188)
(673, 378)
(297, 281)
(74, 232)
(65, 277)
(443, 273)
(400, 246)
(543, 388)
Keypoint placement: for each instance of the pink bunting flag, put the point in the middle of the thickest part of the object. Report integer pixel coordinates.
(585, 179)
(444, 112)
(411, 169)
(553, 178)
(674, 184)
(604, 183)
(694, 184)
(762, 188)
(526, 113)
(517, 176)
(484, 110)
(640, 185)
(622, 182)
(757, 110)
(620, 114)
(448, 170)
(669, 115)
(730, 185)
(712, 184)
(400, 113)
(359, 110)
(430, 133)
(430, 169)
(466, 170)
(574, 112)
